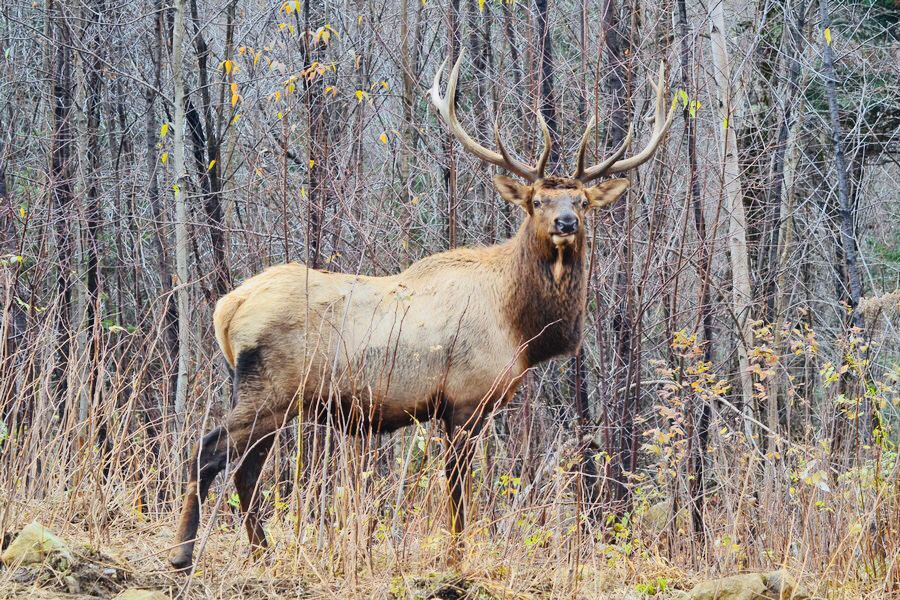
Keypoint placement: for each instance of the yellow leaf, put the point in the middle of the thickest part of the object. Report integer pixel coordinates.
(164, 158)
(415, 201)
(234, 88)
(330, 90)
(312, 163)
(234, 99)
(383, 138)
(228, 65)
(22, 211)
(175, 188)
(235, 119)
(360, 95)
(212, 163)
(164, 130)
(694, 107)
(725, 123)
(242, 49)
(828, 35)
(481, 5)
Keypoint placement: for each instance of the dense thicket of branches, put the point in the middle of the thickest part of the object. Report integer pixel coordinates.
(307, 136)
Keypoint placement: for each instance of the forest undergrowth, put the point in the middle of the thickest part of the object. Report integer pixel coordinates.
(366, 515)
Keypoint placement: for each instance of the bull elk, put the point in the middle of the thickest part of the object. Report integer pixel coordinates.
(449, 338)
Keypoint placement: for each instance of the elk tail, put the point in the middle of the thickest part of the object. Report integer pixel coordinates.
(225, 309)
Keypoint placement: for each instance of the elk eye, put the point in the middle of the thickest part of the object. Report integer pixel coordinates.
(536, 203)
(584, 204)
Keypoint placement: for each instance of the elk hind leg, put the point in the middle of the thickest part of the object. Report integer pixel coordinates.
(253, 423)
(246, 479)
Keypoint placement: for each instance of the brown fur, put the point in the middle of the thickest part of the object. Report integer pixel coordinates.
(450, 338)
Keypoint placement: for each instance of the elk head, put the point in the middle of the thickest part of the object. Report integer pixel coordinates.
(556, 206)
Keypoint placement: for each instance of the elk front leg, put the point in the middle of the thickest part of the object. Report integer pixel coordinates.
(461, 431)
(459, 461)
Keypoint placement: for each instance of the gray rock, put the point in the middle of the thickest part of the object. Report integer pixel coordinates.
(775, 585)
(36, 544)
(138, 594)
(72, 585)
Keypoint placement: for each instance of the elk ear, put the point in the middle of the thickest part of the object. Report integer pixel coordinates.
(606, 192)
(512, 191)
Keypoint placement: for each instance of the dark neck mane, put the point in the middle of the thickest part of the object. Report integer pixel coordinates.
(546, 302)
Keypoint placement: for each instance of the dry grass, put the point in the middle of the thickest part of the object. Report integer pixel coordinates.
(366, 516)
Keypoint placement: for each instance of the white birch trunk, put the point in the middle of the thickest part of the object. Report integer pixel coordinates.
(734, 206)
(181, 239)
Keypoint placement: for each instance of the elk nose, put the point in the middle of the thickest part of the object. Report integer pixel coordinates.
(567, 223)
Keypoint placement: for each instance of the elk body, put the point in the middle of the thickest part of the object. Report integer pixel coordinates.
(448, 338)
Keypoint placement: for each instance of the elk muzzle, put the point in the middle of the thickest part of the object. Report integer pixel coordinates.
(565, 226)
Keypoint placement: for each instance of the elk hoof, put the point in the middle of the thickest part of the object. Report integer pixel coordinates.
(180, 559)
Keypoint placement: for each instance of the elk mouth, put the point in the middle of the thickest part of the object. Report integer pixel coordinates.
(561, 239)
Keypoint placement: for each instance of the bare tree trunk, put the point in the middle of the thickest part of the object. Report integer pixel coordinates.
(548, 103)
(449, 148)
(12, 316)
(318, 147)
(848, 242)
(516, 69)
(734, 208)
(164, 261)
(852, 286)
(206, 141)
(91, 64)
(181, 216)
(479, 23)
(699, 442)
(620, 432)
(784, 161)
(61, 193)
(409, 67)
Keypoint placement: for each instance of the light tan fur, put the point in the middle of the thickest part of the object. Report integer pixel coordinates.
(434, 330)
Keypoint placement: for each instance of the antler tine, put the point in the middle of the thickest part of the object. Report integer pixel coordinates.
(597, 170)
(661, 123)
(545, 153)
(499, 141)
(582, 148)
(447, 108)
(604, 168)
(611, 165)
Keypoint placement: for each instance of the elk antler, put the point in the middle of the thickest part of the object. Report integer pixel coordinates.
(447, 108)
(612, 165)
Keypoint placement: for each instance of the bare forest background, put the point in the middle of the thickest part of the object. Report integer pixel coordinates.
(735, 403)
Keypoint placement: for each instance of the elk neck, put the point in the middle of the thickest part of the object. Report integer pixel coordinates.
(547, 294)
